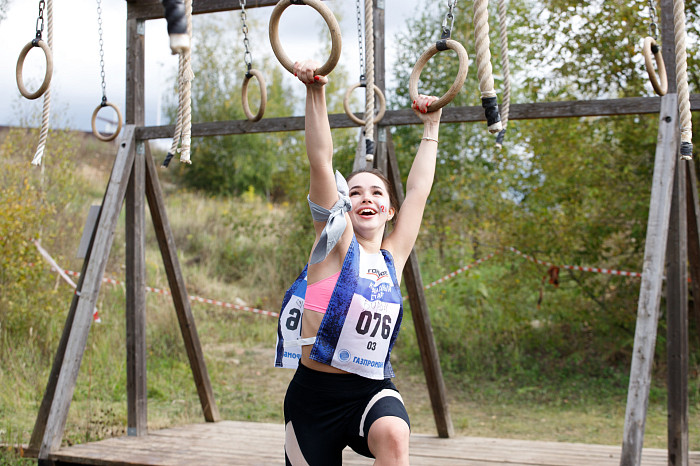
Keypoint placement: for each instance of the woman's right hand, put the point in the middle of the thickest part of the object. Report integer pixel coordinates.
(304, 70)
(420, 107)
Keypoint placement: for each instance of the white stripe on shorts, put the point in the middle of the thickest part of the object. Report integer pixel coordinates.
(375, 398)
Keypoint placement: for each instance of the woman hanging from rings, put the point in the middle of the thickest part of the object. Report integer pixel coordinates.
(339, 330)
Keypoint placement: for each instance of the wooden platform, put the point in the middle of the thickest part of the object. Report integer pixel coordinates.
(246, 443)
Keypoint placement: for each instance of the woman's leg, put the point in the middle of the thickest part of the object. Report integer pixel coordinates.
(388, 441)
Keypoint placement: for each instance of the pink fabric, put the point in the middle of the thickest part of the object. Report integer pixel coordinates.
(318, 294)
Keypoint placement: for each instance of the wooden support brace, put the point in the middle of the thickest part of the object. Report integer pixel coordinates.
(166, 243)
(677, 322)
(137, 398)
(652, 278)
(693, 206)
(87, 294)
(421, 318)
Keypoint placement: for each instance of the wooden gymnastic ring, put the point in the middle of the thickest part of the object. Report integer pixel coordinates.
(382, 105)
(333, 27)
(456, 86)
(263, 95)
(49, 69)
(659, 87)
(99, 135)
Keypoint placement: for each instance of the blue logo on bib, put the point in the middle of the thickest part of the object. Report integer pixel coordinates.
(344, 355)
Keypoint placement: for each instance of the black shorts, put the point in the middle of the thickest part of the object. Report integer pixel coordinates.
(324, 413)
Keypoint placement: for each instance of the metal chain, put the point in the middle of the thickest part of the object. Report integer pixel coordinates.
(359, 42)
(40, 20)
(247, 56)
(102, 52)
(447, 31)
(653, 28)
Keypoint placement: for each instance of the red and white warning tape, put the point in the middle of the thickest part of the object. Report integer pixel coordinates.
(460, 270)
(192, 298)
(577, 267)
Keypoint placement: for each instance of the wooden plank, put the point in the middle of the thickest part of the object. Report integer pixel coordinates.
(652, 278)
(153, 9)
(693, 206)
(380, 81)
(610, 107)
(135, 72)
(245, 443)
(47, 400)
(137, 397)
(166, 243)
(88, 292)
(677, 322)
(421, 318)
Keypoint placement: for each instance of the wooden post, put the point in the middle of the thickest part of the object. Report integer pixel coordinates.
(677, 323)
(181, 300)
(137, 398)
(652, 278)
(380, 130)
(136, 380)
(693, 206)
(421, 319)
(80, 325)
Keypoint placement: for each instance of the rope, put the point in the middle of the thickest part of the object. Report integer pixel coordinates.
(46, 110)
(505, 65)
(369, 75)
(682, 80)
(483, 62)
(183, 124)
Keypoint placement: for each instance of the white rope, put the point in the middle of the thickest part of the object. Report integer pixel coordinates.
(483, 55)
(369, 76)
(505, 66)
(46, 110)
(682, 80)
(183, 124)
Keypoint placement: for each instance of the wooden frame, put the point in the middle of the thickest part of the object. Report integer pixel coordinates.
(673, 225)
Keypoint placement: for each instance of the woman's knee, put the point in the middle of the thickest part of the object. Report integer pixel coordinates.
(388, 438)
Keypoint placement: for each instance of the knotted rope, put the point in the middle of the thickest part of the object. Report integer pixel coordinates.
(505, 66)
(682, 80)
(369, 75)
(46, 110)
(183, 124)
(483, 62)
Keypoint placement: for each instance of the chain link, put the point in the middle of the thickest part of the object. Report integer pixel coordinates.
(247, 56)
(359, 41)
(102, 52)
(449, 17)
(653, 28)
(40, 20)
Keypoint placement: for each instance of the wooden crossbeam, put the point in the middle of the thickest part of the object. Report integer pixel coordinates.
(153, 9)
(530, 111)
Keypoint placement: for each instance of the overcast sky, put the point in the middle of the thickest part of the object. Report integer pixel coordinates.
(76, 84)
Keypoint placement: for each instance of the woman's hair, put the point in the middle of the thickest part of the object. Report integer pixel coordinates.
(393, 201)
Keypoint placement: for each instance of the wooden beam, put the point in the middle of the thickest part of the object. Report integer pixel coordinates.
(693, 207)
(572, 109)
(380, 129)
(137, 397)
(47, 401)
(135, 72)
(153, 9)
(421, 318)
(80, 327)
(652, 278)
(677, 323)
(166, 243)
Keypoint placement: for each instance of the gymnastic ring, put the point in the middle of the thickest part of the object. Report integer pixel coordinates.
(333, 27)
(49, 69)
(659, 87)
(263, 95)
(382, 104)
(99, 135)
(456, 86)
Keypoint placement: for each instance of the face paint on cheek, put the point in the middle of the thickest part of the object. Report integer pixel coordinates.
(383, 207)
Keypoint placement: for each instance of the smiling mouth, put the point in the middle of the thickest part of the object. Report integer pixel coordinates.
(366, 212)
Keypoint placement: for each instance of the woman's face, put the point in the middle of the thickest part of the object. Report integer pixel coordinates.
(371, 207)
